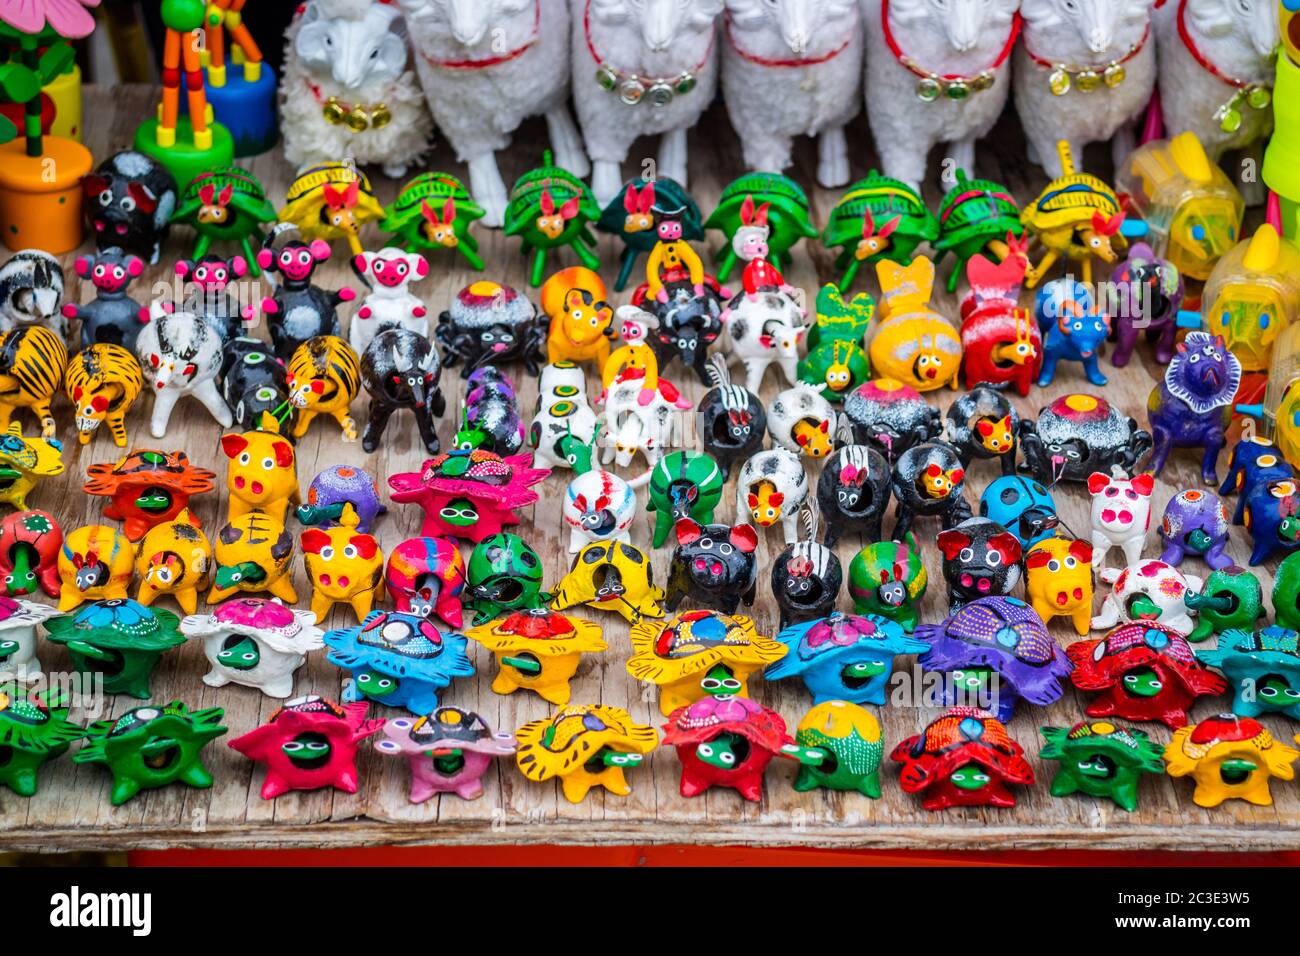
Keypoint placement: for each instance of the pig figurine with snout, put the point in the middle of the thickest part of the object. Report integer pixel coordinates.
(1121, 515)
(980, 559)
(714, 565)
(1058, 581)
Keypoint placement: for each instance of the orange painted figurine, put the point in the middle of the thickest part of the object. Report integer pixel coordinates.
(146, 488)
(582, 321)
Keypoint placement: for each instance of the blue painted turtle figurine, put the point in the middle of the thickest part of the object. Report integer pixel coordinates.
(844, 656)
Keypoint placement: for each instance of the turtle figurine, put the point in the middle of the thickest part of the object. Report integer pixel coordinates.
(35, 729)
(23, 462)
(787, 217)
(448, 751)
(147, 487)
(151, 746)
(398, 659)
(725, 741)
(30, 545)
(228, 205)
(1229, 598)
(503, 574)
(18, 620)
(1286, 588)
(877, 218)
(550, 207)
(1229, 757)
(252, 553)
(889, 578)
(118, 638)
(331, 201)
(539, 650)
(683, 484)
(1262, 667)
(846, 657)
(963, 758)
(255, 642)
(632, 215)
(335, 487)
(468, 494)
(975, 216)
(585, 745)
(851, 739)
(1101, 759)
(434, 211)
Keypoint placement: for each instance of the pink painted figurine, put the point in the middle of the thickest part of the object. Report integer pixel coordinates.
(448, 751)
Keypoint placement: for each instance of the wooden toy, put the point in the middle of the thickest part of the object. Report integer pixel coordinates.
(725, 741)
(30, 545)
(610, 576)
(563, 431)
(787, 218)
(1058, 581)
(254, 642)
(337, 486)
(1022, 506)
(888, 578)
(1078, 435)
(1192, 407)
(853, 493)
(983, 424)
(36, 730)
(242, 100)
(585, 746)
(297, 309)
(551, 208)
(426, 576)
(331, 201)
(1262, 668)
(253, 552)
(398, 659)
(772, 488)
(981, 559)
(226, 204)
(631, 216)
(95, 562)
(1000, 343)
(836, 362)
(390, 303)
(262, 473)
(433, 212)
(174, 557)
(1120, 516)
(491, 414)
(33, 361)
(1101, 759)
(503, 574)
(852, 742)
(468, 494)
(877, 218)
(462, 745)
(929, 481)
(344, 566)
(18, 620)
(146, 487)
(891, 416)
(1149, 294)
(23, 461)
(128, 201)
(119, 639)
(1074, 330)
(489, 323)
(1231, 597)
(963, 758)
(843, 657)
(977, 216)
(914, 344)
(714, 565)
(539, 650)
(1229, 757)
(112, 316)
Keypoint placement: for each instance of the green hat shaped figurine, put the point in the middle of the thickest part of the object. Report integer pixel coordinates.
(118, 638)
(33, 730)
(150, 747)
(1101, 759)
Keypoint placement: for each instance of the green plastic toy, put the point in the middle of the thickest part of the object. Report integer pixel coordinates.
(118, 638)
(631, 216)
(150, 747)
(787, 217)
(1286, 592)
(975, 215)
(1230, 598)
(549, 208)
(888, 578)
(684, 484)
(503, 574)
(434, 211)
(226, 204)
(850, 741)
(836, 362)
(1101, 759)
(877, 218)
(33, 729)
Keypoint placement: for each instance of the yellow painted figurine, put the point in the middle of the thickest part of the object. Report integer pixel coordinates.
(261, 474)
(1229, 757)
(634, 358)
(102, 381)
(1058, 581)
(33, 361)
(699, 654)
(95, 564)
(23, 461)
(585, 745)
(671, 256)
(344, 566)
(174, 558)
(253, 553)
(914, 344)
(582, 321)
(323, 379)
(610, 576)
(538, 650)
(332, 201)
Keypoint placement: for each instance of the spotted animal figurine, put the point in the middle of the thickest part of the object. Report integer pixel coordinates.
(324, 377)
(174, 558)
(181, 355)
(772, 489)
(1195, 523)
(849, 744)
(563, 430)
(1192, 406)
(1148, 590)
(611, 576)
(254, 642)
(1120, 515)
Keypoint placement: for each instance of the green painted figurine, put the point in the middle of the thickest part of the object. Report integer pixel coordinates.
(877, 218)
(226, 204)
(33, 729)
(836, 362)
(850, 738)
(633, 213)
(1101, 759)
(975, 216)
(434, 211)
(1286, 592)
(888, 578)
(1231, 597)
(684, 484)
(786, 217)
(503, 574)
(549, 208)
(150, 747)
(118, 638)
(1262, 668)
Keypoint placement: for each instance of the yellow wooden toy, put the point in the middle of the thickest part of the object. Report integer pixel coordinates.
(1229, 757)
(262, 471)
(174, 558)
(634, 358)
(538, 650)
(914, 344)
(95, 564)
(323, 379)
(103, 381)
(582, 321)
(332, 201)
(585, 745)
(344, 566)
(23, 461)
(672, 257)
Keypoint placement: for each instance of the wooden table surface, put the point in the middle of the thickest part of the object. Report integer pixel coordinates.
(72, 809)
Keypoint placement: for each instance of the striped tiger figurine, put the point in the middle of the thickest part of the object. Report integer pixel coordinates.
(103, 381)
(32, 363)
(323, 379)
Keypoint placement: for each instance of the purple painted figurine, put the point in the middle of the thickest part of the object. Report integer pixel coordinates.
(1192, 407)
(337, 486)
(1195, 523)
(1150, 293)
(448, 751)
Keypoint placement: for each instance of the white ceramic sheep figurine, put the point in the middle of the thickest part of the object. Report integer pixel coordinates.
(642, 69)
(486, 66)
(1083, 72)
(348, 89)
(793, 68)
(1227, 107)
(938, 71)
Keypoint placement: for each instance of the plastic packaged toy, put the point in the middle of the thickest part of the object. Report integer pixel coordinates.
(1148, 299)
(699, 654)
(888, 578)
(151, 746)
(95, 562)
(1192, 209)
(1142, 671)
(551, 208)
(539, 650)
(174, 558)
(489, 323)
(434, 211)
(490, 414)
(725, 741)
(447, 751)
(877, 218)
(1195, 523)
(36, 730)
(307, 744)
(995, 651)
(18, 620)
(323, 377)
(1074, 329)
(1101, 759)
(787, 217)
(1080, 434)
(683, 484)
(1022, 506)
(337, 486)
(585, 746)
(714, 565)
(928, 481)
(146, 487)
(1192, 407)
(112, 315)
(262, 473)
(426, 577)
(980, 559)
(119, 639)
(632, 216)
(1229, 757)
(468, 494)
(845, 657)
(36, 361)
(30, 545)
(1058, 581)
(331, 201)
(772, 488)
(851, 742)
(975, 215)
(582, 321)
(398, 659)
(1230, 598)
(254, 642)
(611, 576)
(836, 362)
(298, 310)
(344, 566)
(253, 553)
(891, 417)
(914, 344)
(1120, 515)
(23, 461)
(226, 204)
(1000, 342)
(963, 758)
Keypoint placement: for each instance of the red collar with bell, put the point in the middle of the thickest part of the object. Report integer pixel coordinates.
(954, 86)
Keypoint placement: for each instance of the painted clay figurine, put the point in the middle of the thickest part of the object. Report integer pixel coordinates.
(95, 562)
(582, 321)
(447, 751)
(213, 298)
(836, 362)
(390, 303)
(36, 730)
(118, 638)
(772, 489)
(35, 360)
(253, 383)
(929, 480)
(331, 201)
(1192, 407)
(611, 576)
(551, 208)
(806, 576)
(181, 356)
(684, 484)
(174, 558)
(1022, 506)
(23, 462)
(400, 369)
(1000, 342)
(503, 574)
(227, 204)
(891, 417)
(323, 376)
(982, 424)
(297, 309)
(888, 578)
(253, 553)
(1195, 523)
(1230, 598)
(585, 746)
(636, 420)
(254, 642)
(398, 659)
(468, 494)
(112, 315)
(852, 742)
(1229, 757)
(129, 201)
(563, 430)
(725, 741)
(1150, 295)
(18, 620)
(433, 212)
(714, 565)
(980, 559)
(1073, 329)
(1286, 592)
(853, 493)
(878, 217)
(30, 545)
(490, 417)
(426, 576)
(343, 565)
(598, 506)
(1120, 515)
(538, 650)
(764, 330)
(1147, 591)
(1080, 434)
(977, 216)
(631, 216)
(337, 486)
(1101, 759)
(689, 319)
(146, 488)
(262, 472)
(488, 323)
(103, 382)
(1058, 581)
(1262, 668)
(914, 344)
(31, 289)
(963, 758)
(800, 420)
